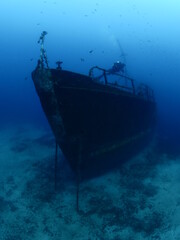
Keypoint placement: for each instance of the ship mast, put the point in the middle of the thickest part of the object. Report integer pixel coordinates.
(43, 57)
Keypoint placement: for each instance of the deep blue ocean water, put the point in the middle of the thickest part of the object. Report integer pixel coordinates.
(142, 34)
(148, 33)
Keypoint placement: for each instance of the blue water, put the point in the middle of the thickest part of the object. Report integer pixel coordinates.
(148, 33)
(86, 33)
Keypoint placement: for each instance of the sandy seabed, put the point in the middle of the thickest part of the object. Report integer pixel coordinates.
(141, 200)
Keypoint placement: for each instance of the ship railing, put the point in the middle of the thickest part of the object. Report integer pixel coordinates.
(146, 92)
(142, 90)
(126, 87)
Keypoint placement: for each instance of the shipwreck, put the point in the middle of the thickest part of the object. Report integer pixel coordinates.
(96, 122)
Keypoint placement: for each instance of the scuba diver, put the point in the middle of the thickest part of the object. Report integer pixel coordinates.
(117, 67)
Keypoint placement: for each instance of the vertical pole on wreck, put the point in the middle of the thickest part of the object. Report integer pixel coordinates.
(78, 177)
(55, 167)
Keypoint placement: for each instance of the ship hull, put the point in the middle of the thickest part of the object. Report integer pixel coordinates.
(93, 123)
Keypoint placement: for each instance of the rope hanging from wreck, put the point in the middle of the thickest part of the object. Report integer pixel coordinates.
(43, 56)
